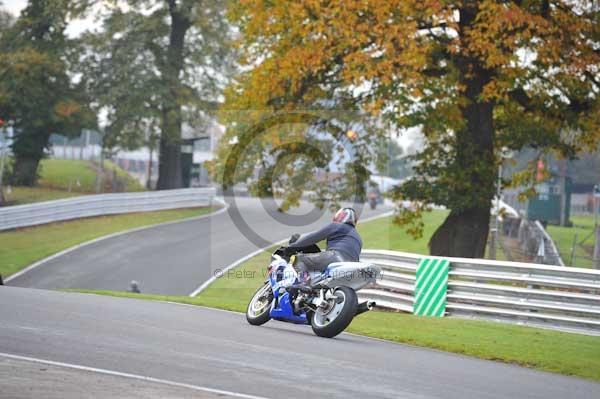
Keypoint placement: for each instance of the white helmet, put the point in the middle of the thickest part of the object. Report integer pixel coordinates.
(346, 215)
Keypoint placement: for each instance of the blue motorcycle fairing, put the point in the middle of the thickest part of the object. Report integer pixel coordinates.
(281, 308)
(284, 311)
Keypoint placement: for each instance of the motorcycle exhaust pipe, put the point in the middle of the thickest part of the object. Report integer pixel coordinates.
(365, 307)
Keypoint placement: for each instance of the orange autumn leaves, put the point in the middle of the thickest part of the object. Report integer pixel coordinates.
(401, 53)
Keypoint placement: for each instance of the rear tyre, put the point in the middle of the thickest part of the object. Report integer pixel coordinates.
(259, 307)
(330, 322)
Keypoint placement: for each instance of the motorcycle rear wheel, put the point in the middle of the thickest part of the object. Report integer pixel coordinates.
(330, 323)
(259, 307)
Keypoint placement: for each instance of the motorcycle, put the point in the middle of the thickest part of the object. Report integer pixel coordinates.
(373, 201)
(328, 303)
(373, 197)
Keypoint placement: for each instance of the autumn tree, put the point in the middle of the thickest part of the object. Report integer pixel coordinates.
(156, 65)
(475, 76)
(37, 95)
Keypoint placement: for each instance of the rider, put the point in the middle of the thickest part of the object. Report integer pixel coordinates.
(343, 244)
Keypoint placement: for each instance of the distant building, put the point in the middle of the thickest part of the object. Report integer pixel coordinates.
(204, 147)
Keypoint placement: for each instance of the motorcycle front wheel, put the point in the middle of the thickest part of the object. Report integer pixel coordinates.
(259, 307)
(338, 315)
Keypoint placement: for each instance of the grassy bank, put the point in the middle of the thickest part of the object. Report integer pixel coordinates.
(29, 195)
(24, 246)
(569, 354)
(382, 233)
(565, 237)
(62, 174)
(64, 178)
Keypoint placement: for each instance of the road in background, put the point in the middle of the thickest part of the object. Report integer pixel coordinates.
(173, 259)
(219, 350)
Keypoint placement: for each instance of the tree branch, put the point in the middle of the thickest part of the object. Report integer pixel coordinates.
(592, 79)
(435, 72)
(522, 98)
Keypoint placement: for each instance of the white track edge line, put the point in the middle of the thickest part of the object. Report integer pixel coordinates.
(211, 280)
(40, 262)
(131, 376)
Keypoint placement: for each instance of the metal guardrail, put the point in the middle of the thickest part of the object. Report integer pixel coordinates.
(561, 298)
(103, 204)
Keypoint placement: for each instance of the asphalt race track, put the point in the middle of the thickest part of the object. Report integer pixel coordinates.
(173, 259)
(219, 350)
(70, 345)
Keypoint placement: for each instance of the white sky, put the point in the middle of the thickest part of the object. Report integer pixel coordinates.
(14, 6)
(74, 29)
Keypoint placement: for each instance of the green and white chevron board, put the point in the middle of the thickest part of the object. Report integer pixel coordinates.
(430, 287)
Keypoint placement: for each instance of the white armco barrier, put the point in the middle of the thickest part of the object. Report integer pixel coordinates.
(102, 204)
(561, 298)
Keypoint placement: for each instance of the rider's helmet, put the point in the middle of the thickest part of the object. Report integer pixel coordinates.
(346, 215)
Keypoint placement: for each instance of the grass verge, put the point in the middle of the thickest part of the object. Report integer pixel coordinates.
(565, 237)
(564, 353)
(64, 178)
(29, 195)
(22, 247)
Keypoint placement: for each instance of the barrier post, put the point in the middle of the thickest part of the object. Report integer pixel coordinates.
(431, 286)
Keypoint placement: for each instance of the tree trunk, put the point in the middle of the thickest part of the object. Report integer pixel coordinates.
(169, 165)
(169, 161)
(464, 233)
(28, 149)
(25, 171)
(149, 178)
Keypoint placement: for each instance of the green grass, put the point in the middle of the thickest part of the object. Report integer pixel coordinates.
(564, 353)
(64, 178)
(24, 246)
(60, 174)
(131, 183)
(583, 226)
(382, 233)
(28, 195)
